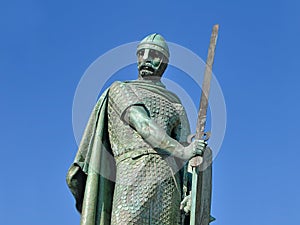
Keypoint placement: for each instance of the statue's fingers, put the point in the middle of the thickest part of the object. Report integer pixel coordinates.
(200, 152)
(181, 207)
(204, 143)
(184, 200)
(187, 209)
(201, 144)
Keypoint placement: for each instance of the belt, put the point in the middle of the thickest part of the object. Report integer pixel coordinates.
(133, 154)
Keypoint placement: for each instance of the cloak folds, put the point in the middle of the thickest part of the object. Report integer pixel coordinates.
(90, 178)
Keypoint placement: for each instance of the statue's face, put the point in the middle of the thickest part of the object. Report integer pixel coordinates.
(149, 62)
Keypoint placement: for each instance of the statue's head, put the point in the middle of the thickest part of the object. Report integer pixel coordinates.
(153, 56)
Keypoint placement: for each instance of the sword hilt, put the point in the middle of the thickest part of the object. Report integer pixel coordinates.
(205, 137)
(197, 160)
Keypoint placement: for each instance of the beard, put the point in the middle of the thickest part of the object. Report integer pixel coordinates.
(146, 70)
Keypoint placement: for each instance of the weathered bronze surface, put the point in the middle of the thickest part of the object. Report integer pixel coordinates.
(143, 127)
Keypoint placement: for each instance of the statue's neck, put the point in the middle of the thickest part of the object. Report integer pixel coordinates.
(155, 80)
(150, 78)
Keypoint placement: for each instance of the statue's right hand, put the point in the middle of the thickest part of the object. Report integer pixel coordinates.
(196, 148)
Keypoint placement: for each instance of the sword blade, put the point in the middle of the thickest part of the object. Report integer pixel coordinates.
(202, 113)
(197, 213)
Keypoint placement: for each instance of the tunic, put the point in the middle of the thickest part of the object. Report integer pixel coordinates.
(147, 189)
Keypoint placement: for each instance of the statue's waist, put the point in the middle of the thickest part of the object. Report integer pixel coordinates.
(136, 153)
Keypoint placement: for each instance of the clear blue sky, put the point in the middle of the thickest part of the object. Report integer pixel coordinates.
(46, 46)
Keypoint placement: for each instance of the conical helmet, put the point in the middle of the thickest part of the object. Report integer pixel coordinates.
(153, 57)
(155, 41)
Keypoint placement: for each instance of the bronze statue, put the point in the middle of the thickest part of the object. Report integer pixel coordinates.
(144, 127)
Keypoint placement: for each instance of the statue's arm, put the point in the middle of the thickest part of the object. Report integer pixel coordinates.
(137, 117)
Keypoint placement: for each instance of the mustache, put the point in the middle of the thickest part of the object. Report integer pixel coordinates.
(147, 67)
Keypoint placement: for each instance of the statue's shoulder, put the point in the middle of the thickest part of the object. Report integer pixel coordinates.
(121, 84)
(117, 86)
(120, 90)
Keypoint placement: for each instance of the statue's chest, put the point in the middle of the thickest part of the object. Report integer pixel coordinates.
(161, 110)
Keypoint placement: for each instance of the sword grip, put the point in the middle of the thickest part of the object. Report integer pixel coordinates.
(197, 160)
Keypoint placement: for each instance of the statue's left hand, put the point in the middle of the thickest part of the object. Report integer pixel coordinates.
(186, 203)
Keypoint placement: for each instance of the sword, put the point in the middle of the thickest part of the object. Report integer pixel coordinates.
(201, 171)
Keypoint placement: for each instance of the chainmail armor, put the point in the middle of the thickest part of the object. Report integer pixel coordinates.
(147, 189)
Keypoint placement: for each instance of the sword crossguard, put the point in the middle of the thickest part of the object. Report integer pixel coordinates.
(205, 137)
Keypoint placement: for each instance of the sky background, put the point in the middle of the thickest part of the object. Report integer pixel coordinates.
(46, 46)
